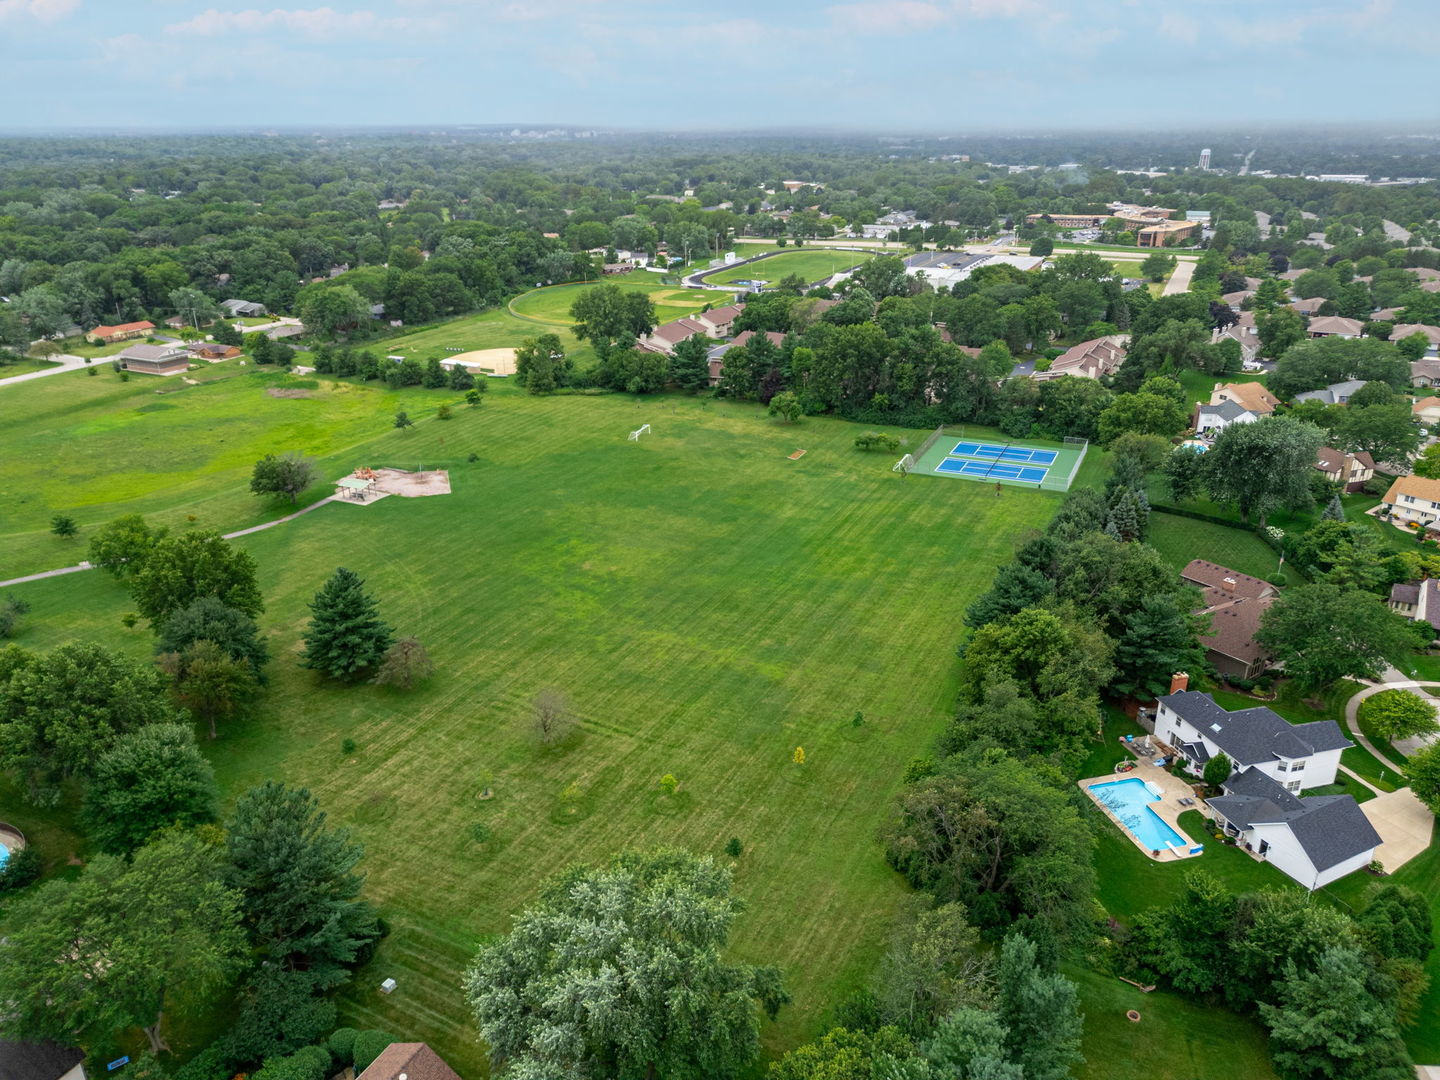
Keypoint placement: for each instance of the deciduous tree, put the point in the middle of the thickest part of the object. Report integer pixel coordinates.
(122, 545)
(621, 970)
(1263, 466)
(286, 475)
(405, 664)
(151, 778)
(181, 569)
(1325, 632)
(117, 946)
(1398, 714)
(59, 712)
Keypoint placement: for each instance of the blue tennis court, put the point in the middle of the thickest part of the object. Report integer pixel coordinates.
(1029, 474)
(994, 452)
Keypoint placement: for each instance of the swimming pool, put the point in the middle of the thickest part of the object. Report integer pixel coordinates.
(1129, 800)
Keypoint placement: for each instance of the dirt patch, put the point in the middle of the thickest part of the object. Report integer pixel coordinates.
(287, 392)
(413, 485)
(494, 361)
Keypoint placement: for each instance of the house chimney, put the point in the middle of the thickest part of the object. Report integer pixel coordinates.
(1179, 681)
(1228, 584)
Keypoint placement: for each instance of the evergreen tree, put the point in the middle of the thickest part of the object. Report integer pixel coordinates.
(434, 377)
(299, 892)
(1217, 770)
(345, 636)
(461, 379)
(1160, 639)
(1040, 1013)
(690, 366)
(1333, 510)
(1336, 1021)
(1124, 519)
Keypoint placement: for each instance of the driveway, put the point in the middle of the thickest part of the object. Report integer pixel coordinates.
(1404, 826)
(1180, 280)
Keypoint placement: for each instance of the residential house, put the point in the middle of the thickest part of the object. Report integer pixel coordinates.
(1235, 602)
(1217, 417)
(1251, 396)
(1417, 600)
(105, 335)
(1334, 326)
(213, 351)
(1246, 333)
(1430, 333)
(154, 359)
(1425, 372)
(40, 1061)
(1349, 470)
(1384, 314)
(1413, 498)
(1234, 300)
(408, 1061)
(1426, 410)
(1335, 394)
(1308, 306)
(716, 356)
(666, 336)
(1093, 359)
(285, 330)
(719, 321)
(1314, 840)
(242, 309)
(390, 204)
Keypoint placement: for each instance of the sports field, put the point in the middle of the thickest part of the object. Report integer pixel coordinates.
(991, 457)
(812, 264)
(705, 602)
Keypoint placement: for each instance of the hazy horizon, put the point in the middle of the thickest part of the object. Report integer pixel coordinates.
(908, 67)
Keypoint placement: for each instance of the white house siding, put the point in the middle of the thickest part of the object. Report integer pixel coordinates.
(1349, 866)
(1284, 851)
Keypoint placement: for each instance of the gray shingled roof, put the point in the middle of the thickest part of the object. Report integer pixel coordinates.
(36, 1060)
(1226, 410)
(1329, 828)
(1253, 736)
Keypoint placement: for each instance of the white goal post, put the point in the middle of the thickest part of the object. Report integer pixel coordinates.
(904, 465)
(643, 429)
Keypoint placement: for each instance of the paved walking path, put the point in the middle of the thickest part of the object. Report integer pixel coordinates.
(228, 536)
(1390, 680)
(62, 362)
(1404, 823)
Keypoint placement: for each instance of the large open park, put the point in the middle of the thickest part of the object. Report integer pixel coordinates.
(706, 603)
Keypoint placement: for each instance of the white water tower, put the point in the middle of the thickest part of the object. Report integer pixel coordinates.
(1205, 159)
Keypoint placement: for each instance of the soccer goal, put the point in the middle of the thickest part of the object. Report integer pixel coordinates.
(643, 429)
(904, 465)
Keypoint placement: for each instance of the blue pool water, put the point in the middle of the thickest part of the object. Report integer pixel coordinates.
(4, 854)
(1129, 801)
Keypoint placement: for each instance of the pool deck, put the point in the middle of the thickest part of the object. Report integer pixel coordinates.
(1172, 789)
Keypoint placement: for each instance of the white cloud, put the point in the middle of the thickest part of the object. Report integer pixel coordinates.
(43, 10)
(312, 22)
(910, 16)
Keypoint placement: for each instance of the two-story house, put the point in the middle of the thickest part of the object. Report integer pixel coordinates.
(1314, 840)
(1235, 603)
(1349, 470)
(1413, 498)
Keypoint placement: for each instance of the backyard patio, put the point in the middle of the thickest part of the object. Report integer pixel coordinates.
(1169, 797)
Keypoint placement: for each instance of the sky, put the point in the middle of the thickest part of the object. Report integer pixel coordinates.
(862, 65)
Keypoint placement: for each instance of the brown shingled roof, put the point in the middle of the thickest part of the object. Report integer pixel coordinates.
(1212, 577)
(415, 1061)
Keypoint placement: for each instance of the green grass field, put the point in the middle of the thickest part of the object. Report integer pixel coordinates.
(812, 264)
(551, 305)
(706, 603)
